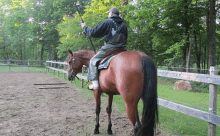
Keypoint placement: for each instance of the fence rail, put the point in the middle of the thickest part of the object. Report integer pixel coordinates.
(204, 78)
(213, 80)
(191, 70)
(20, 63)
(14, 60)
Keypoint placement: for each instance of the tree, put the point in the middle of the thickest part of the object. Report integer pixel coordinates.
(15, 24)
(70, 29)
(212, 31)
(172, 32)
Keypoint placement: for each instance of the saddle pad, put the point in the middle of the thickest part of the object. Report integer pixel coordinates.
(104, 64)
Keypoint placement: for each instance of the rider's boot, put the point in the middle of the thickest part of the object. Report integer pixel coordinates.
(94, 85)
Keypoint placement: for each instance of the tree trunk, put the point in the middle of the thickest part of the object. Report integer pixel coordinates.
(206, 59)
(186, 25)
(188, 45)
(212, 26)
(198, 54)
(33, 54)
(20, 47)
(42, 53)
(25, 55)
(55, 55)
(49, 56)
(207, 30)
(6, 56)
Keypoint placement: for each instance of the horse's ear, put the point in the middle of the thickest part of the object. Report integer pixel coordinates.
(70, 52)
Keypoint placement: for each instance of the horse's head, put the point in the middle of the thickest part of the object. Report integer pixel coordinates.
(74, 64)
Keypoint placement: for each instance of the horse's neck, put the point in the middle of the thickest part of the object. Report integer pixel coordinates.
(87, 56)
(86, 62)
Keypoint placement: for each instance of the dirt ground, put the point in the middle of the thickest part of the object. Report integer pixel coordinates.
(26, 110)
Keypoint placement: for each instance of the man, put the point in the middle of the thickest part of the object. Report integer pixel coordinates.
(114, 32)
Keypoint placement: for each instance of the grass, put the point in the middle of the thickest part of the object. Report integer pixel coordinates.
(191, 99)
(198, 100)
(170, 121)
(181, 123)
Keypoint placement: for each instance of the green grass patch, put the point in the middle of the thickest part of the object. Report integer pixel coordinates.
(182, 124)
(172, 121)
(191, 99)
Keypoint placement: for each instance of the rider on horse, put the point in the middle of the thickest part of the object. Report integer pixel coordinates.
(115, 34)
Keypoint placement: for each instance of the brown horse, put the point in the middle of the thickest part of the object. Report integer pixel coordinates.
(133, 75)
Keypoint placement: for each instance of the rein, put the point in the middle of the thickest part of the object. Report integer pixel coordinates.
(73, 74)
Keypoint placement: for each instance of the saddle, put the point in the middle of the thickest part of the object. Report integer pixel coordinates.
(104, 63)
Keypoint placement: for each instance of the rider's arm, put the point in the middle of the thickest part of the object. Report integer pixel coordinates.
(98, 31)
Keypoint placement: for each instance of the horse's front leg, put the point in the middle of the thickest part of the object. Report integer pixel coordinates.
(109, 111)
(97, 95)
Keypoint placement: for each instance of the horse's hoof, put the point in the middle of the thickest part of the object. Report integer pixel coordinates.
(109, 132)
(96, 131)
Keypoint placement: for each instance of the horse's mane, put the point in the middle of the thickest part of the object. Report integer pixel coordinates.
(84, 53)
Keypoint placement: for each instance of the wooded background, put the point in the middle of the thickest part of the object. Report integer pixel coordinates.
(182, 33)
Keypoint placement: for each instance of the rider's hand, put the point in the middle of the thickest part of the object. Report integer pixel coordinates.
(83, 25)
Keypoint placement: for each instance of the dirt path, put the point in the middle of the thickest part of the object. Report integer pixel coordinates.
(27, 110)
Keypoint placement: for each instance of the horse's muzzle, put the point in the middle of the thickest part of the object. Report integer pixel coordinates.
(70, 78)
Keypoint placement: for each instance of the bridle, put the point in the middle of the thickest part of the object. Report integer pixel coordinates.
(72, 73)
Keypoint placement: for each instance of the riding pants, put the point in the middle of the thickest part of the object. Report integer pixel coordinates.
(93, 70)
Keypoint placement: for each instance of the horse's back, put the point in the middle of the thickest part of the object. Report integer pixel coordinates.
(124, 74)
(129, 59)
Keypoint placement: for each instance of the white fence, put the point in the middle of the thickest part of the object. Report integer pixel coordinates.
(213, 80)
(21, 63)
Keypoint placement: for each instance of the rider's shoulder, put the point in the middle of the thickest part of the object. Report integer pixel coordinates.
(108, 21)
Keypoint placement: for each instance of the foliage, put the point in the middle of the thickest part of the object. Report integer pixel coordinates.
(71, 32)
(46, 29)
(164, 24)
(71, 35)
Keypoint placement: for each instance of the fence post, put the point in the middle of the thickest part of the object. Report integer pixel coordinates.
(82, 83)
(54, 67)
(28, 64)
(51, 65)
(46, 65)
(58, 69)
(48, 69)
(64, 76)
(212, 101)
(9, 63)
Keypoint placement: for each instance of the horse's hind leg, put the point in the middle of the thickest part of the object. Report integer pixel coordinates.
(97, 95)
(137, 124)
(109, 111)
(132, 113)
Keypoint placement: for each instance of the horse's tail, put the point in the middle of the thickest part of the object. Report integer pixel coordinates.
(150, 110)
